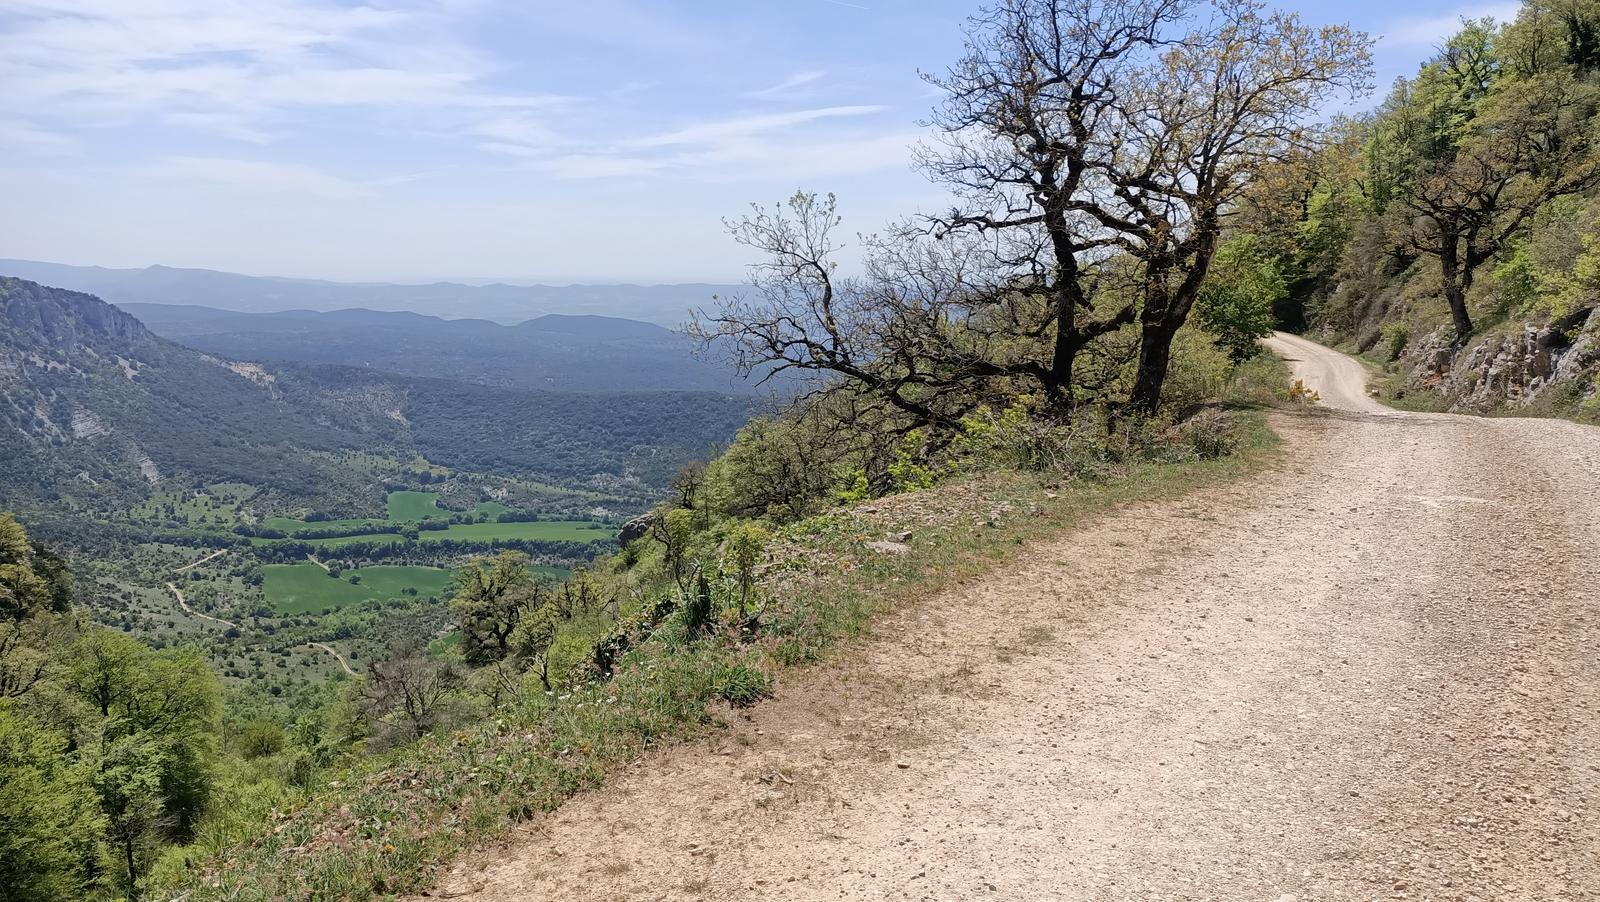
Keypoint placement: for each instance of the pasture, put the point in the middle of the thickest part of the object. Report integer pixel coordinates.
(299, 588)
(414, 506)
(540, 530)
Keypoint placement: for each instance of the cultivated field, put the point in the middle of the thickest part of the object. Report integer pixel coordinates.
(299, 588)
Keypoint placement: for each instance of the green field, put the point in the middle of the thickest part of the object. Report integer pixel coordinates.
(298, 588)
(375, 538)
(292, 526)
(414, 506)
(543, 530)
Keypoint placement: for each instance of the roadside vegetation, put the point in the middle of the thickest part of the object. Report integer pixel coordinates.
(1078, 331)
(1452, 237)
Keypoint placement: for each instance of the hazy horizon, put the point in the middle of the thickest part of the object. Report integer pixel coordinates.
(415, 141)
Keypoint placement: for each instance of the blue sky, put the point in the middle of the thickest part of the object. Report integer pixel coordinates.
(584, 141)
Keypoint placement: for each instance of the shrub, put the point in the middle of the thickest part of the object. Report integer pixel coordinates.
(1015, 438)
(1395, 337)
(1210, 433)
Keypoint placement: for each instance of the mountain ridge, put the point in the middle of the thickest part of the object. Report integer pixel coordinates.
(665, 304)
(98, 404)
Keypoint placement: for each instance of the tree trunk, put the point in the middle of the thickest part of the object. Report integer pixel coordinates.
(1455, 292)
(133, 873)
(1058, 384)
(1155, 354)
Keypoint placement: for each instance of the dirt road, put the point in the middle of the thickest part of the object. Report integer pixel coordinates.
(184, 603)
(1370, 673)
(336, 656)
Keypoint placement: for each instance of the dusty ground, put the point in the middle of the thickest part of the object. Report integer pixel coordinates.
(1371, 673)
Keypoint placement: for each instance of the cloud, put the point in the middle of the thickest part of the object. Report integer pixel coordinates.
(257, 176)
(787, 85)
(742, 127)
(1431, 31)
(232, 67)
(27, 138)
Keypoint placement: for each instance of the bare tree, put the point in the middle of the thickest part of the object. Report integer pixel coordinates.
(410, 692)
(1094, 147)
(888, 334)
(1023, 141)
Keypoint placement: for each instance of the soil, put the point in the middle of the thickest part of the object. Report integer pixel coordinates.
(1369, 673)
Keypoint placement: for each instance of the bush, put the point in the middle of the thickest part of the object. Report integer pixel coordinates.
(1210, 434)
(1395, 337)
(1015, 438)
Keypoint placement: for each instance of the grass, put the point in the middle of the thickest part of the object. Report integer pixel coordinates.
(389, 823)
(301, 588)
(291, 526)
(414, 506)
(542, 530)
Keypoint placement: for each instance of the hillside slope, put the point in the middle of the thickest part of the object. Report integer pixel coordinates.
(551, 353)
(96, 404)
(1337, 690)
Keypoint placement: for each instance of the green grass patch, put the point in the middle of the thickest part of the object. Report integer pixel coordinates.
(298, 588)
(541, 530)
(291, 526)
(414, 506)
(491, 509)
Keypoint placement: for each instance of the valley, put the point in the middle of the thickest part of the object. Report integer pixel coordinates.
(274, 589)
(293, 519)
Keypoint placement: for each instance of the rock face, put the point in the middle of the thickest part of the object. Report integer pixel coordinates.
(56, 319)
(636, 528)
(1513, 370)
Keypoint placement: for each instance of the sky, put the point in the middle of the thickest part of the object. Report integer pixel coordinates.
(523, 140)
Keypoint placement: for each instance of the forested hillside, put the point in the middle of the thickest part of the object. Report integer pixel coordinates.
(1451, 235)
(550, 353)
(98, 406)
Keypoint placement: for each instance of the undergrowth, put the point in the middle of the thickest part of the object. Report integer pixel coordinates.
(388, 823)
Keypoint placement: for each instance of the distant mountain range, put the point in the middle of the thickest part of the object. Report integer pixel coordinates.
(556, 352)
(96, 409)
(666, 305)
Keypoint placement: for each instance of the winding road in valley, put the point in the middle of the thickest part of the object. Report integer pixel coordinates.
(184, 602)
(1371, 671)
(345, 665)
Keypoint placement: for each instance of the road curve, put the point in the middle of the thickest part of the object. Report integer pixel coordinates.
(1369, 672)
(1340, 380)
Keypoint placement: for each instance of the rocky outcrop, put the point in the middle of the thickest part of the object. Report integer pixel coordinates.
(1513, 369)
(56, 319)
(636, 528)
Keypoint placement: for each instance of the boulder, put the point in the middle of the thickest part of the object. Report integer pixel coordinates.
(637, 527)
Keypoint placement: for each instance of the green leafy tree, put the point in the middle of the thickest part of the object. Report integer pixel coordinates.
(31, 580)
(50, 821)
(147, 724)
(1235, 304)
(495, 592)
